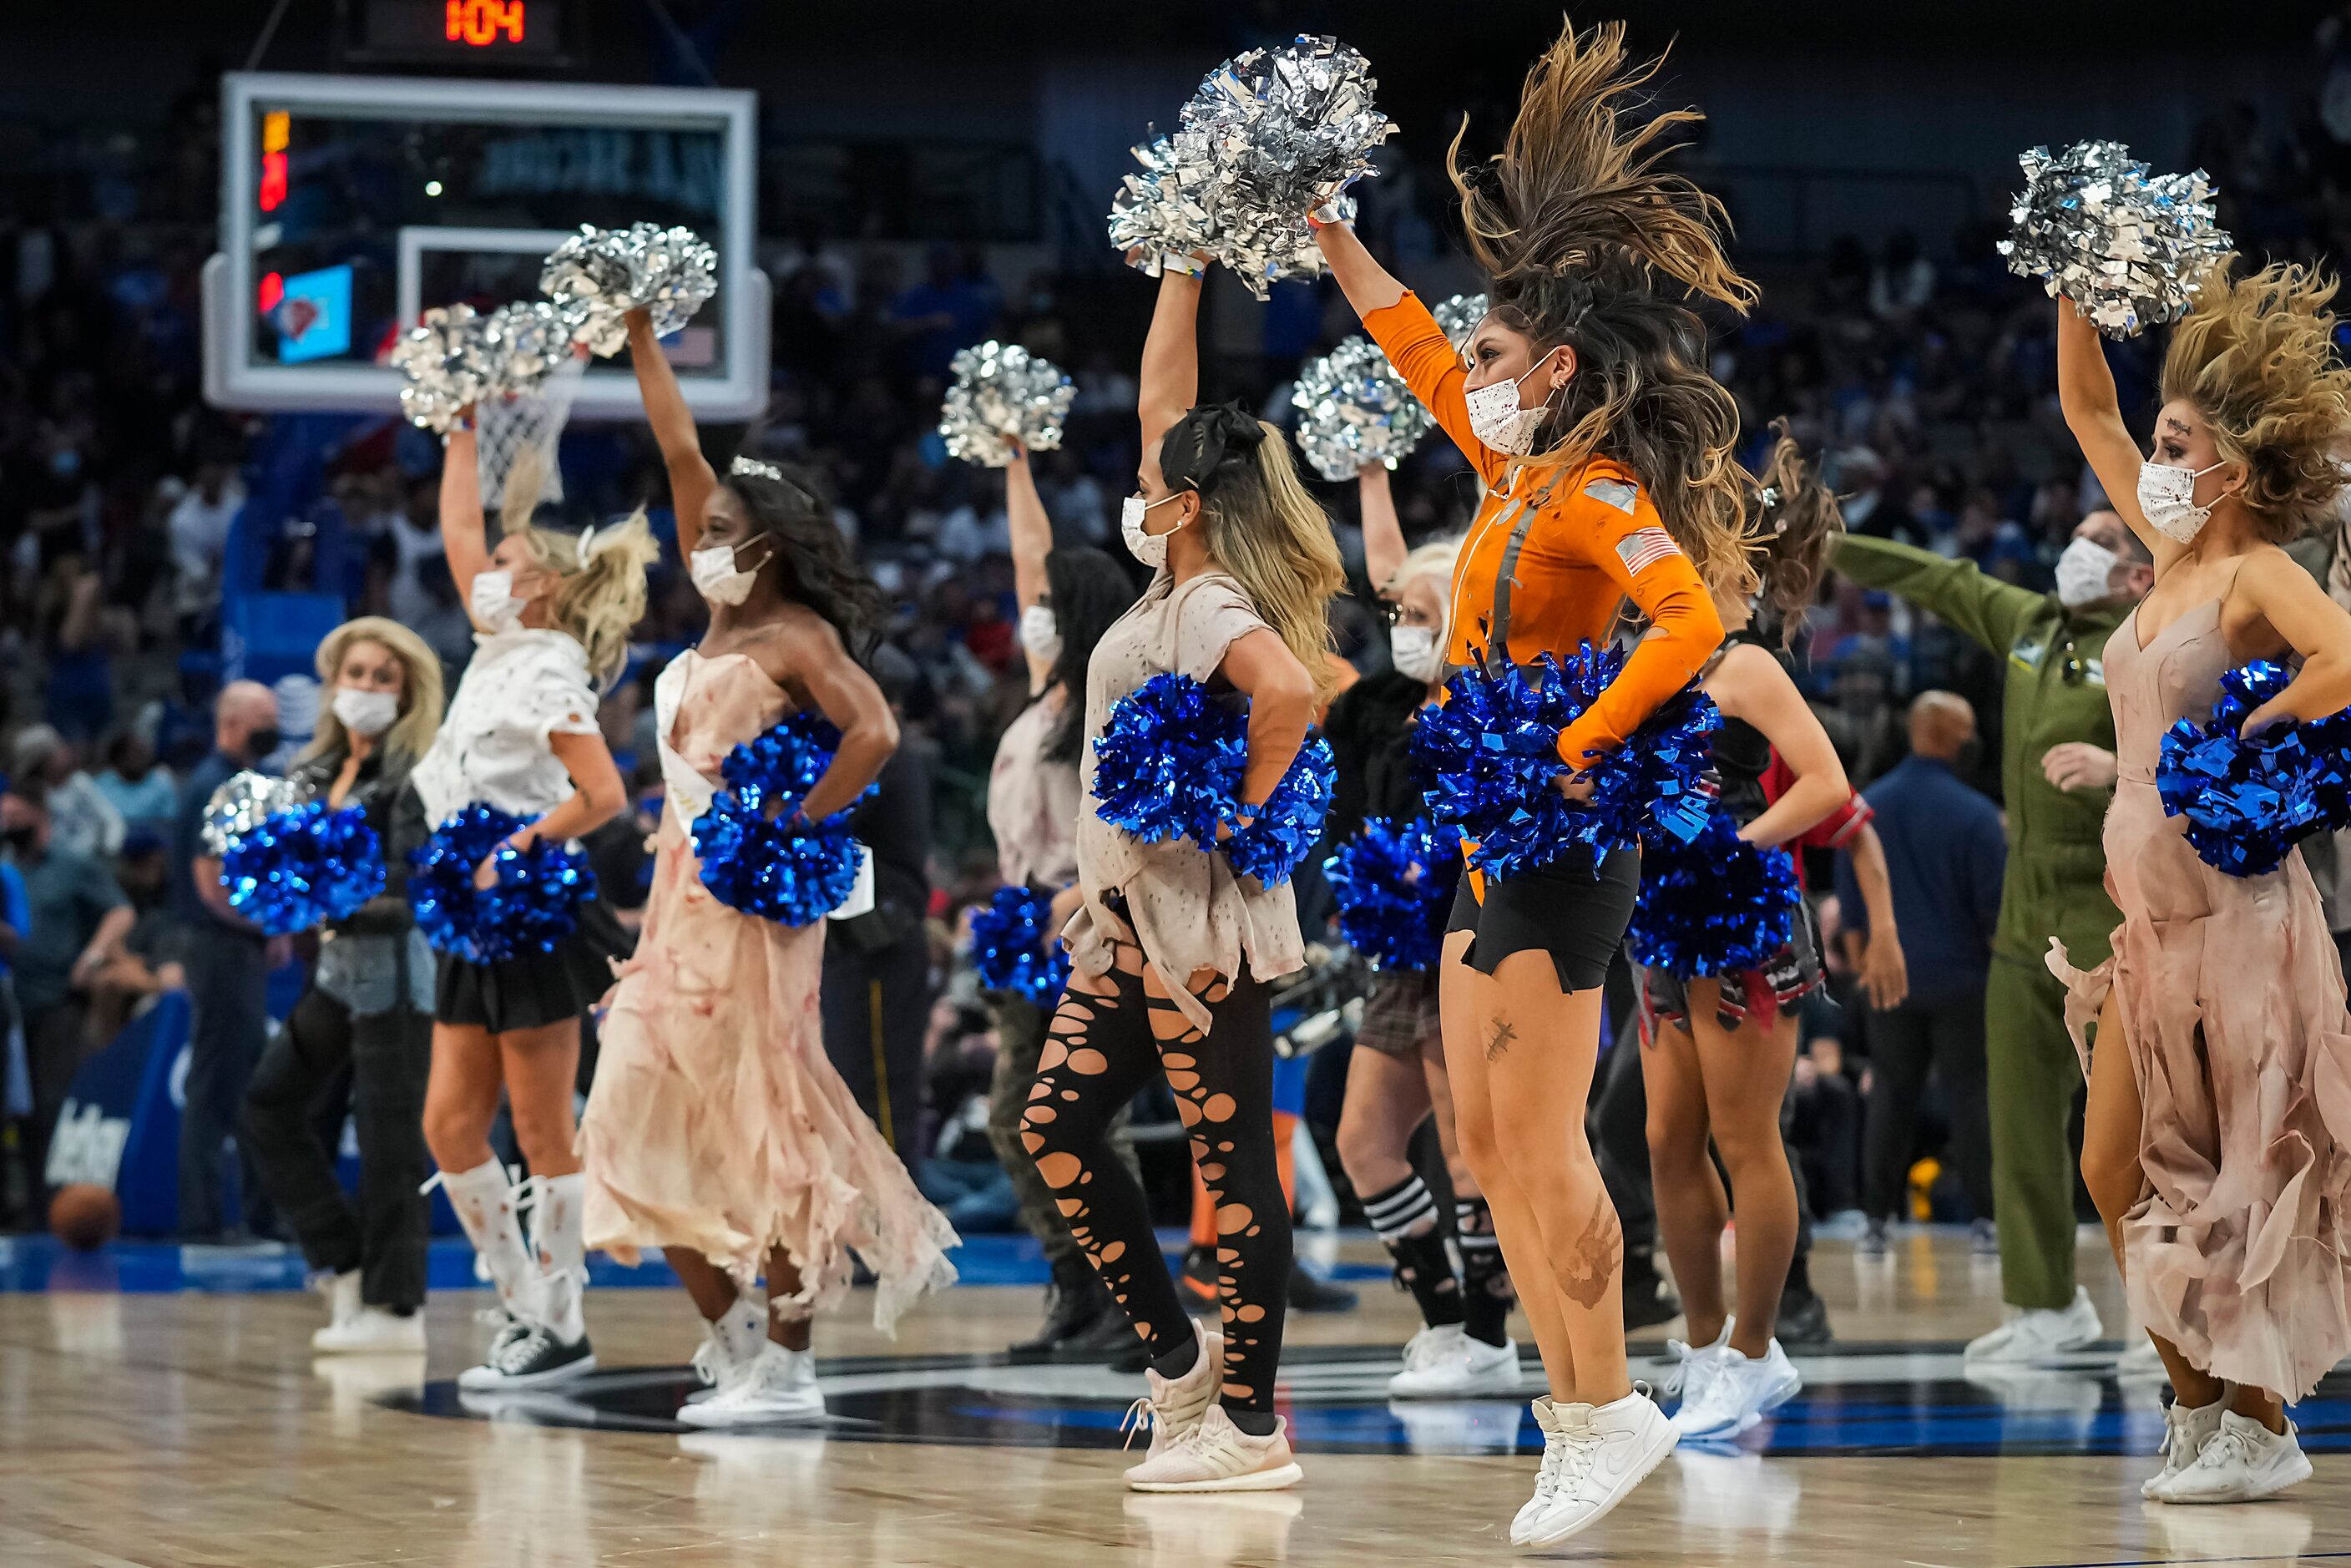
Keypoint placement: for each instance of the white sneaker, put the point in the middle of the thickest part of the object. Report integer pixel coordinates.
(529, 1355)
(1444, 1363)
(1546, 1475)
(1737, 1392)
(342, 1293)
(2185, 1433)
(1608, 1450)
(1217, 1456)
(2244, 1461)
(1694, 1365)
(2039, 1333)
(1176, 1404)
(778, 1386)
(2141, 1360)
(727, 1352)
(372, 1331)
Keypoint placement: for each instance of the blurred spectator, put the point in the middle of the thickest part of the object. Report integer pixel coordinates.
(83, 820)
(74, 918)
(1903, 281)
(1945, 853)
(228, 967)
(199, 528)
(951, 308)
(140, 788)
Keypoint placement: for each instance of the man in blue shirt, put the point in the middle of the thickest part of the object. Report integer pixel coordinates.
(227, 966)
(1945, 854)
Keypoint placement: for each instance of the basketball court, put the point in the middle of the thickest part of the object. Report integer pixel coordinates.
(165, 1411)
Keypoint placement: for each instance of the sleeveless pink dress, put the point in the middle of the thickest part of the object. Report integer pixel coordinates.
(716, 1122)
(2231, 996)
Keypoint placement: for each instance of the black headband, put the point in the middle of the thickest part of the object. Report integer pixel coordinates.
(1205, 439)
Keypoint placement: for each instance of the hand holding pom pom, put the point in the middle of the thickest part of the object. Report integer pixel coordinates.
(1353, 409)
(598, 276)
(1014, 947)
(1003, 394)
(1715, 905)
(756, 853)
(2127, 248)
(1168, 762)
(532, 904)
(2250, 798)
(1278, 837)
(303, 867)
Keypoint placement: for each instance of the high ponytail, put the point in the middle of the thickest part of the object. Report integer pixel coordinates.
(600, 596)
(1797, 522)
(1582, 236)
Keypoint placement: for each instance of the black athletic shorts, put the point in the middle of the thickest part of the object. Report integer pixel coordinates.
(1562, 909)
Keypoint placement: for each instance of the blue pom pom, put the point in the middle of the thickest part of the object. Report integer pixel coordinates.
(1279, 838)
(303, 867)
(756, 854)
(1168, 762)
(1015, 948)
(2249, 802)
(1715, 905)
(1392, 890)
(534, 906)
(1492, 748)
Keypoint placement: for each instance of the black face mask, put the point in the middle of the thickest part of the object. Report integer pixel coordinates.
(260, 743)
(20, 840)
(1971, 755)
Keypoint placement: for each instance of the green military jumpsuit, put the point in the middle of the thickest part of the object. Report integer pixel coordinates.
(2055, 886)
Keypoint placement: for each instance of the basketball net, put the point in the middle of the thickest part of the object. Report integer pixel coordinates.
(508, 427)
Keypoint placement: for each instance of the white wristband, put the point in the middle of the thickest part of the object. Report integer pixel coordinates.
(1181, 266)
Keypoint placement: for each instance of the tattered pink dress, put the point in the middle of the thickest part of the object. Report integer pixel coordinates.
(716, 1122)
(2230, 995)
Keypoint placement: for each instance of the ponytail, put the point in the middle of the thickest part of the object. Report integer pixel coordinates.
(1797, 521)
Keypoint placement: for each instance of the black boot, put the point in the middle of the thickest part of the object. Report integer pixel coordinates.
(1073, 1301)
(1310, 1292)
(1803, 1316)
(1648, 1299)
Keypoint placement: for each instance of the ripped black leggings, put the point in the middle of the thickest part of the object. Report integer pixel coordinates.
(1103, 1045)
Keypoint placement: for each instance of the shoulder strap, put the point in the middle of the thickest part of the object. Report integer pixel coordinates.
(1522, 522)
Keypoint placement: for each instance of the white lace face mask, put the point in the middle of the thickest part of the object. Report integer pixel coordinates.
(2167, 497)
(1496, 418)
(1150, 549)
(492, 601)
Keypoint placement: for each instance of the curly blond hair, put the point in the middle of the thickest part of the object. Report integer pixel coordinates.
(1580, 234)
(2256, 357)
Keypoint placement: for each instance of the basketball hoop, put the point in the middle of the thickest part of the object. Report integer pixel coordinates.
(506, 428)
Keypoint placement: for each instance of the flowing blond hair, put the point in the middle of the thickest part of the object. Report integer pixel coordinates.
(411, 735)
(1435, 558)
(1261, 527)
(2256, 357)
(600, 596)
(1577, 229)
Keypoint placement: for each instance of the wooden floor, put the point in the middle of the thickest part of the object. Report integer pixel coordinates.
(191, 1429)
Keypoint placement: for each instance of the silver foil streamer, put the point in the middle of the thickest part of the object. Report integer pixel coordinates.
(1460, 317)
(526, 340)
(1003, 393)
(2127, 247)
(598, 276)
(448, 364)
(1353, 409)
(238, 806)
(1162, 210)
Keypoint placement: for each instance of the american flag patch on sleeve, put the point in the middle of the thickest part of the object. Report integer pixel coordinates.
(1644, 547)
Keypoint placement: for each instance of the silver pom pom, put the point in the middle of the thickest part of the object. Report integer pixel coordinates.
(1353, 409)
(2127, 248)
(526, 340)
(238, 806)
(598, 276)
(447, 362)
(1004, 393)
(1163, 210)
(1290, 130)
(1460, 317)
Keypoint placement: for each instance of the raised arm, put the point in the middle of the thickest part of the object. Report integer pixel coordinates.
(839, 687)
(1171, 361)
(2086, 391)
(1384, 546)
(691, 478)
(2299, 610)
(1032, 541)
(465, 538)
(1281, 704)
(1367, 285)
(1990, 612)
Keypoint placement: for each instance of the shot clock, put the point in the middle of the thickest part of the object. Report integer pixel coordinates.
(504, 34)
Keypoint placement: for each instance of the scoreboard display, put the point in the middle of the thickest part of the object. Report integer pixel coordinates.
(499, 35)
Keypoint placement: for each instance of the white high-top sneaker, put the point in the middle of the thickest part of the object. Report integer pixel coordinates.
(1444, 1363)
(1176, 1404)
(728, 1347)
(1546, 1416)
(2185, 1433)
(2037, 1333)
(778, 1386)
(1609, 1449)
(1694, 1366)
(1217, 1456)
(2244, 1461)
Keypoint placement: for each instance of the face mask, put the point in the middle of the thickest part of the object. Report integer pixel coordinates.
(19, 840)
(364, 712)
(260, 743)
(1496, 418)
(2167, 498)
(493, 602)
(717, 578)
(1039, 633)
(1151, 550)
(1414, 652)
(2085, 573)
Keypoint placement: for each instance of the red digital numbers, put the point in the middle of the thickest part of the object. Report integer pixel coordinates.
(481, 23)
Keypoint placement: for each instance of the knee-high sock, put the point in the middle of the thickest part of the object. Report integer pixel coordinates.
(484, 1201)
(1405, 1220)
(1486, 1295)
(555, 1224)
